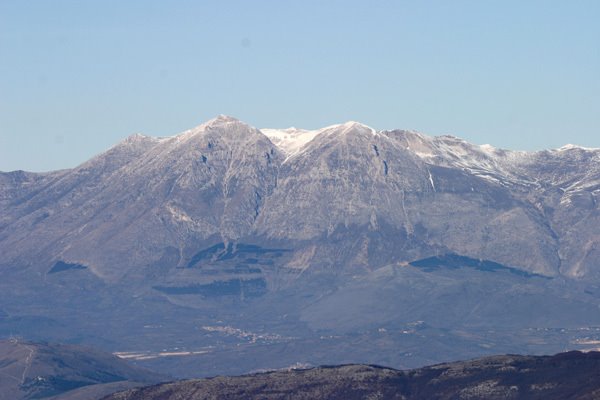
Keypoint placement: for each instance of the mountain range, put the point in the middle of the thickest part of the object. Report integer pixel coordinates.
(51, 371)
(343, 244)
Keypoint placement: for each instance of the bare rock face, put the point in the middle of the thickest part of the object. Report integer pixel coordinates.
(569, 375)
(349, 175)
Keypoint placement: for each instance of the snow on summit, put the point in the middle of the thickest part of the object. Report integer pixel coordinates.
(446, 150)
(290, 140)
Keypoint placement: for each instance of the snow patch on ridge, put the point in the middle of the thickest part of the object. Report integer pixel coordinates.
(576, 147)
(290, 140)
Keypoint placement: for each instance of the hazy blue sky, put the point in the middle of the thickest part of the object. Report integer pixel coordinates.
(78, 76)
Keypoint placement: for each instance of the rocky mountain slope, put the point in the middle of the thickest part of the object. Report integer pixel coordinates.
(571, 375)
(187, 252)
(42, 371)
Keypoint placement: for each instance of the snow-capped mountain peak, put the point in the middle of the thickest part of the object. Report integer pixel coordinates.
(222, 119)
(292, 140)
(570, 146)
(225, 128)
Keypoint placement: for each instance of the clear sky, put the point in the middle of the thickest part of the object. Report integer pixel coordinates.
(78, 76)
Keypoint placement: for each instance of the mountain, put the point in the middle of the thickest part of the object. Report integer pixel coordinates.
(225, 181)
(226, 249)
(42, 371)
(204, 184)
(570, 375)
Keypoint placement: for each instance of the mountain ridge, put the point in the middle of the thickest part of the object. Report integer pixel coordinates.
(568, 375)
(31, 370)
